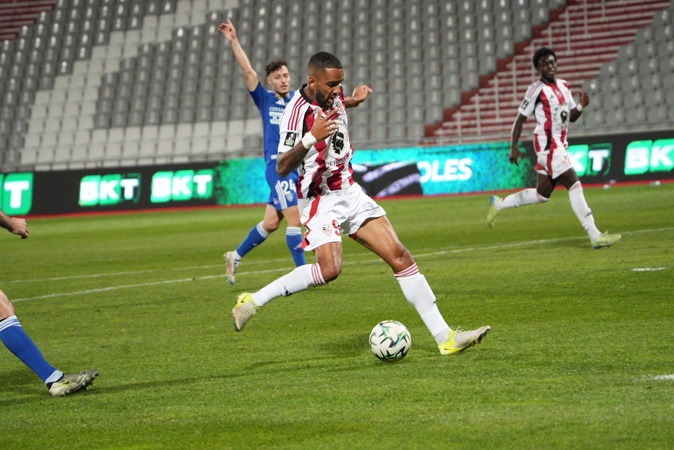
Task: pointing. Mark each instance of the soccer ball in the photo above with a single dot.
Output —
(390, 341)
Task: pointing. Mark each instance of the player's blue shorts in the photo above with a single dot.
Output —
(283, 193)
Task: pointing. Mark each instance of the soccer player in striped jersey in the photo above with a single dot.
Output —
(315, 139)
(283, 196)
(18, 342)
(551, 102)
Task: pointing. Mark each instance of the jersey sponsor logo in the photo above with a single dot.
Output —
(290, 139)
(562, 115)
(337, 143)
(275, 117)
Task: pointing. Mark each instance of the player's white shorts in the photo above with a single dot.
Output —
(553, 164)
(326, 217)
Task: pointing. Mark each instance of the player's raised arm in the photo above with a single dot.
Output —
(228, 30)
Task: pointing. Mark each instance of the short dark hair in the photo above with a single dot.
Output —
(322, 61)
(273, 66)
(541, 52)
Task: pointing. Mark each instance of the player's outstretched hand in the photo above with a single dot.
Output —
(361, 92)
(584, 98)
(228, 30)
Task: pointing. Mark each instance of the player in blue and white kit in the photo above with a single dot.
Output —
(283, 197)
(18, 342)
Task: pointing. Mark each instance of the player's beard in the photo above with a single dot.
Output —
(324, 101)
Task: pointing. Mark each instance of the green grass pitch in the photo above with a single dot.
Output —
(581, 352)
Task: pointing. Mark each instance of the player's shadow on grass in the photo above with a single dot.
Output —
(24, 385)
(344, 349)
(350, 347)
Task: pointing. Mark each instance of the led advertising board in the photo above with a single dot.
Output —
(387, 172)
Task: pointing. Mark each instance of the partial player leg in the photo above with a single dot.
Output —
(18, 342)
(300, 279)
(522, 198)
(584, 215)
(294, 235)
(419, 294)
(256, 236)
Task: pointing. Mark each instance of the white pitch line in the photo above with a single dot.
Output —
(664, 377)
(137, 285)
(281, 269)
(154, 283)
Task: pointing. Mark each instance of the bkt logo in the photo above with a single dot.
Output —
(591, 160)
(16, 196)
(109, 189)
(167, 186)
(649, 156)
(182, 185)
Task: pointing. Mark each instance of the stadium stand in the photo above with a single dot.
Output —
(98, 83)
(585, 36)
(15, 14)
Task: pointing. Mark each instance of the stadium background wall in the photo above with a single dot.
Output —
(388, 172)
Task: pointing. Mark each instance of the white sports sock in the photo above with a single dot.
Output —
(293, 231)
(583, 211)
(260, 229)
(54, 377)
(522, 198)
(303, 277)
(419, 294)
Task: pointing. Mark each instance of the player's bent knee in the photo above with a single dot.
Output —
(402, 261)
(330, 273)
(270, 227)
(6, 307)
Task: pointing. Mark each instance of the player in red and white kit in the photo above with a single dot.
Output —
(315, 140)
(551, 102)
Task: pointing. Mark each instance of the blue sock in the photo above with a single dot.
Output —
(255, 237)
(294, 241)
(19, 343)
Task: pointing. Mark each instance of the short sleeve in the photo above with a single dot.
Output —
(293, 126)
(259, 96)
(527, 106)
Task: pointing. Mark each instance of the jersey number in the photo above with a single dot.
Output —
(287, 187)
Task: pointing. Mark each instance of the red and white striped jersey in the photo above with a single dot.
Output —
(551, 103)
(327, 165)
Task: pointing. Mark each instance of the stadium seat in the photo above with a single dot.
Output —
(89, 56)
